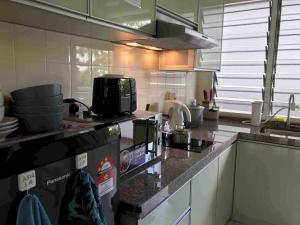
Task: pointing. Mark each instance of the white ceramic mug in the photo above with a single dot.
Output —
(256, 113)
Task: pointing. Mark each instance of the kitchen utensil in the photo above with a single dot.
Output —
(210, 95)
(205, 94)
(4, 134)
(114, 96)
(211, 114)
(182, 136)
(41, 123)
(38, 109)
(166, 138)
(196, 115)
(178, 112)
(34, 92)
(47, 101)
(256, 113)
(147, 131)
(7, 121)
(9, 127)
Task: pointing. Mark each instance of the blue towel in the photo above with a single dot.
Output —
(85, 207)
(31, 212)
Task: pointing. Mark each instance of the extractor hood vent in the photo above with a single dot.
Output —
(174, 33)
(173, 36)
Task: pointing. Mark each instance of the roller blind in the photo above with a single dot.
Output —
(242, 74)
(287, 74)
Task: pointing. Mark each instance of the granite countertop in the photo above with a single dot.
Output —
(143, 192)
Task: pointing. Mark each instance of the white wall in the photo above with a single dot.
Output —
(30, 56)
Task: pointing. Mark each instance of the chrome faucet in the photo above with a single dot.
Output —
(292, 106)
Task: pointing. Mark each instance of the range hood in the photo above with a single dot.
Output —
(174, 33)
(171, 36)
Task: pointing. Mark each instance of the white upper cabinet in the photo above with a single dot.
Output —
(210, 23)
(187, 9)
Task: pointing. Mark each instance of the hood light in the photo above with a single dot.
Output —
(134, 44)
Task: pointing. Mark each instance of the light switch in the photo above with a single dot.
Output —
(26, 180)
(81, 161)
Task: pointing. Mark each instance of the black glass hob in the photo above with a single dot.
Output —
(196, 145)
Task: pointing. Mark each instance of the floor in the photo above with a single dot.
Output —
(234, 223)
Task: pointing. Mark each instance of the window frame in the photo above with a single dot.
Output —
(271, 59)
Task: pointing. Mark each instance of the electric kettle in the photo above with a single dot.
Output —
(180, 114)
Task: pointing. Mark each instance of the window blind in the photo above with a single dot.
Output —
(287, 73)
(242, 74)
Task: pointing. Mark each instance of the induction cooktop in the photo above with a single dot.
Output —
(197, 145)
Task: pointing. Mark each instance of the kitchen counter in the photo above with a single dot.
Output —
(143, 192)
(73, 126)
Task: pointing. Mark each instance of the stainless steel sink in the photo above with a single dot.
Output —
(293, 130)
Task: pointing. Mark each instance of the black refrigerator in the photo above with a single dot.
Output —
(53, 159)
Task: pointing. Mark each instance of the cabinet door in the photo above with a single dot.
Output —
(211, 14)
(136, 14)
(204, 195)
(80, 6)
(225, 185)
(187, 9)
(267, 184)
(186, 220)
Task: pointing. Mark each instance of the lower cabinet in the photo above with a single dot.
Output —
(204, 195)
(205, 200)
(171, 210)
(186, 220)
(225, 185)
(212, 191)
(267, 189)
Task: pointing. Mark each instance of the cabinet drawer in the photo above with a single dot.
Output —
(171, 209)
(136, 14)
(80, 6)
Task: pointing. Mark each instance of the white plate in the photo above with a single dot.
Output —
(15, 125)
(7, 121)
(4, 134)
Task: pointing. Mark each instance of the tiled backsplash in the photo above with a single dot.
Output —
(31, 56)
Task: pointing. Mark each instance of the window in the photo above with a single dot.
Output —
(287, 76)
(242, 74)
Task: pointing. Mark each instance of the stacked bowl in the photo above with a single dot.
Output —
(39, 108)
(7, 124)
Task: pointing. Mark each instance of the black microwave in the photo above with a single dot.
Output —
(114, 96)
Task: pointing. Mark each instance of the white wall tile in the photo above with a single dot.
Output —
(30, 43)
(100, 57)
(30, 56)
(6, 41)
(8, 80)
(81, 51)
(81, 79)
(98, 71)
(30, 73)
(85, 97)
(61, 74)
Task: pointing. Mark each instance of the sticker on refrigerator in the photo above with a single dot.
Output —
(105, 179)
